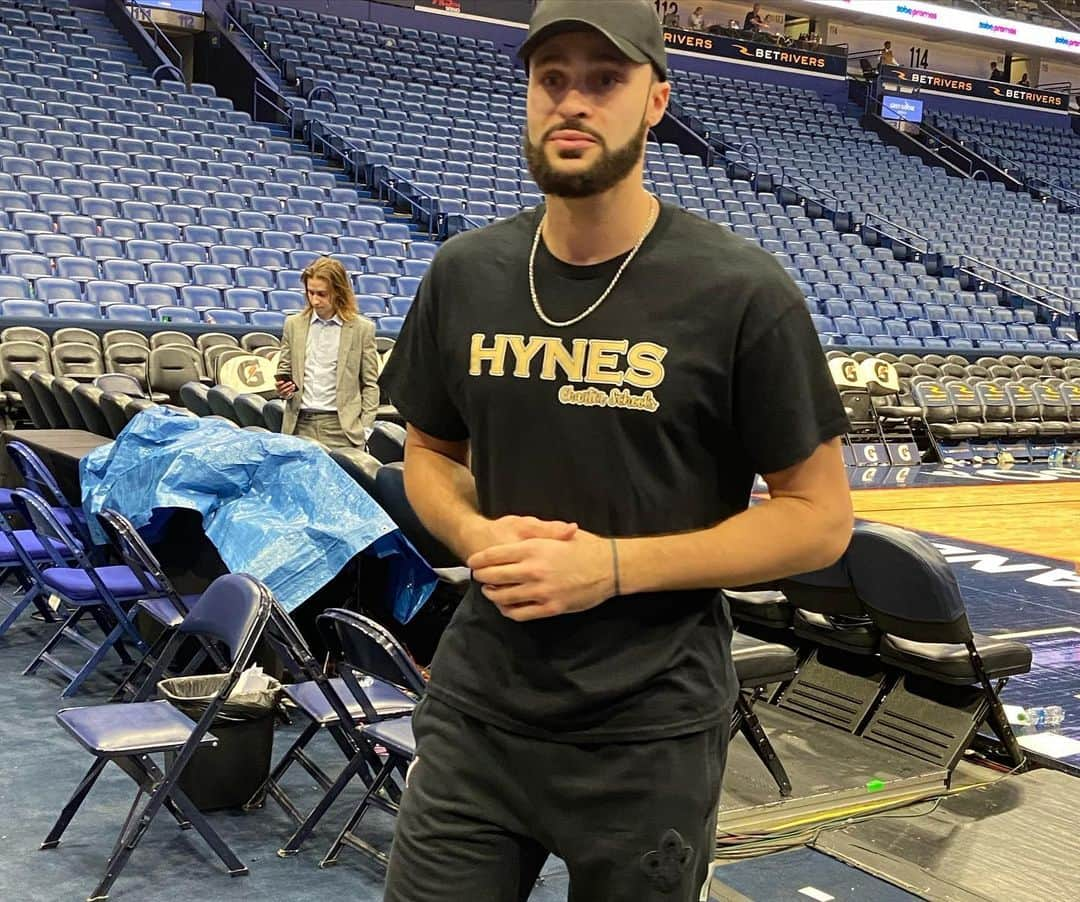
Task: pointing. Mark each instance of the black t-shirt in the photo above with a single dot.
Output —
(651, 416)
(750, 22)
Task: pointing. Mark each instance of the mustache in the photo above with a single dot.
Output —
(571, 125)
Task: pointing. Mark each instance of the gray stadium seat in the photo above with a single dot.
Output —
(221, 401)
(250, 410)
(88, 400)
(63, 388)
(41, 387)
(193, 397)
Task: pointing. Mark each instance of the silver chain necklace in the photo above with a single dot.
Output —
(653, 216)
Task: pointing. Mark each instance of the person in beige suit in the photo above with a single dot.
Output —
(328, 370)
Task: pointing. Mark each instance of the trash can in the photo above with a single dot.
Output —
(228, 774)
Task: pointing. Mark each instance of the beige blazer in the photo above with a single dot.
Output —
(357, 374)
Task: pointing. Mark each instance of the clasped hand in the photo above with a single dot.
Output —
(531, 569)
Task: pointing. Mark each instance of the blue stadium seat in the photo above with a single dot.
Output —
(176, 315)
(52, 289)
(285, 301)
(244, 299)
(407, 286)
(371, 306)
(29, 266)
(144, 251)
(389, 326)
(223, 317)
(187, 252)
(199, 296)
(383, 266)
(76, 310)
(161, 232)
(127, 313)
(153, 295)
(267, 259)
(24, 308)
(399, 306)
(255, 277)
(228, 256)
(267, 319)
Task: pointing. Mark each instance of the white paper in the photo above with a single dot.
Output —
(1053, 745)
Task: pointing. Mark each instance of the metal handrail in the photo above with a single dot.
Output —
(1039, 289)
(147, 16)
(1028, 181)
(895, 225)
(789, 175)
(757, 152)
(273, 97)
(943, 137)
(1057, 12)
(312, 94)
(235, 25)
(1055, 190)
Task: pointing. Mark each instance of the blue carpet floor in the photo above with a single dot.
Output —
(40, 766)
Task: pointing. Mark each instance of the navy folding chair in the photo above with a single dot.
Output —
(331, 704)
(233, 611)
(40, 480)
(168, 609)
(104, 594)
(19, 550)
(369, 660)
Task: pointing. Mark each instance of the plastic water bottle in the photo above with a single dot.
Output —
(1041, 716)
(1056, 457)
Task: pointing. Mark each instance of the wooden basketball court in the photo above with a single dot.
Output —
(1041, 519)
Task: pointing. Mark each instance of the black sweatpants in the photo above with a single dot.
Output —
(634, 822)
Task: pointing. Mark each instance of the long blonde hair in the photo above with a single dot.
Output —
(341, 289)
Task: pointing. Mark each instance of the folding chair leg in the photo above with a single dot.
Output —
(96, 658)
(152, 782)
(127, 688)
(45, 653)
(183, 807)
(31, 597)
(750, 727)
(73, 804)
(332, 853)
(999, 722)
(271, 785)
(355, 765)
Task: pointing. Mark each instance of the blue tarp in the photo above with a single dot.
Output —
(274, 506)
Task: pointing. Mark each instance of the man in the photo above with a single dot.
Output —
(1024, 82)
(328, 371)
(887, 58)
(697, 19)
(755, 21)
(996, 74)
(590, 388)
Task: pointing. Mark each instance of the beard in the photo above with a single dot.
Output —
(612, 167)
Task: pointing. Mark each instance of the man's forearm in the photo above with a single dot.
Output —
(778, 538)
(369, 406)
(443, 494)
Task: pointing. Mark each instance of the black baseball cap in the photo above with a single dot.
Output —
(631, 25)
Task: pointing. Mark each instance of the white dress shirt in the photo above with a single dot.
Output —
(320, 364)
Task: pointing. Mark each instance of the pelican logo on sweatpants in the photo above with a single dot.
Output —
(608, 368)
